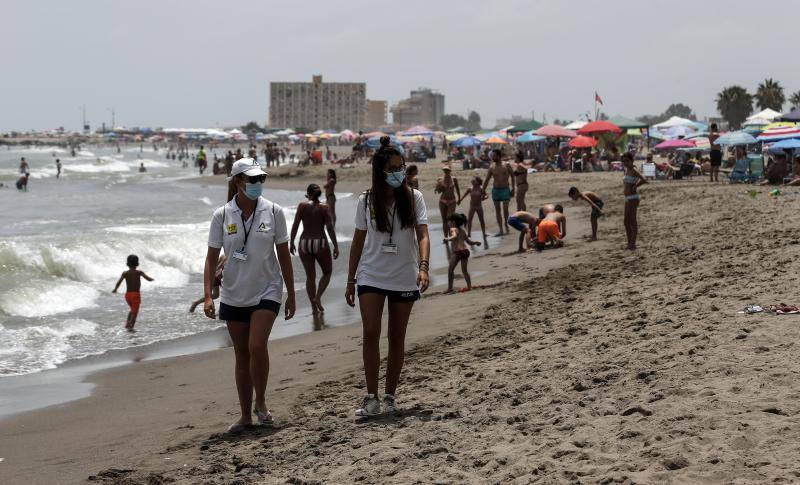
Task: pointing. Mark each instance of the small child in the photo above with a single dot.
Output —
(476, 198)
(133, 281)
(459, 238)
(594, 201)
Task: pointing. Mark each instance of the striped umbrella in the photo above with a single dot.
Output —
(780, 133)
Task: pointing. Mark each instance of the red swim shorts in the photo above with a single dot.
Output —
(134, 299)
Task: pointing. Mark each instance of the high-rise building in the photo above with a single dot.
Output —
(317, 105)
(424, 107)
(376, 113)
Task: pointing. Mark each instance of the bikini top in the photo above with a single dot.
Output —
(630, 179)
(521, 171)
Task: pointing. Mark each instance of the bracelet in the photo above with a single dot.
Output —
(351, 281)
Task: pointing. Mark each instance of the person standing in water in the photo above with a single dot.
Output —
(330, 194)
(133, 283)
(631, 182)
(23, 166)
(460, 253)
(476, 196)
(252, 230)
(520, 180)
(314, 249)
(501, 176)
(58, 168)
(388, 261)
(447, 186)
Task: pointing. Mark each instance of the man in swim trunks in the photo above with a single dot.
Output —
(502, 191)
(526, 224)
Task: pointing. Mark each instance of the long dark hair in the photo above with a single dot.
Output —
(232, 190)
(403, 198)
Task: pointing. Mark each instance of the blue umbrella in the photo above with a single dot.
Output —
(467, 141)
(790, 144)
(375, 142)
(529, 137)
(736, 138)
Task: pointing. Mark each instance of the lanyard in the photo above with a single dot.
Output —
(245, 229)
(391, 224)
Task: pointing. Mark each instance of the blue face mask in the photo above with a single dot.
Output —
(395, 179)
(253, 191)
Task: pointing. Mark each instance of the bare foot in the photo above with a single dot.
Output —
(592, 239)
(319, 306)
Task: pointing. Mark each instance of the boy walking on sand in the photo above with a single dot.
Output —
(133, 281)
(594, 201)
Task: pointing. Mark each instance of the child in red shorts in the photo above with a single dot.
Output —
(133, 282)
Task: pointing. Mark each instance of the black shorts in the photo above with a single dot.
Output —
(392, 296)
(242, 313)
(596, 213)
(716, 158)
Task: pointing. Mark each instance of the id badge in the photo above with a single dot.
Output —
(240, 255)
(390, 248)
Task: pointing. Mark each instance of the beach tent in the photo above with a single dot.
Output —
(576, 125)
(764, 115)
(756, 122)
(525, 126)
(678, 131)
(555, 131)
(674, 121)
(627, 123)
(793, 115)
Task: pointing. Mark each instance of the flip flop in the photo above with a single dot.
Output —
(265, 418)
(238, 427)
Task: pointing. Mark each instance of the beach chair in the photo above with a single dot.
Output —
(649, 170)
(756, 168)
(739, 174)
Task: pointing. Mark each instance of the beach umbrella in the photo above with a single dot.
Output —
(736, 138)
(793, 115)
(576, 125)
(674, 144)
(700, 143)
(373, 134)
(655, 135)
(556, 131)
(599, 127)
(788, 144)
(529, 137)
(778, 124)
(673, 122)
(677, 131)
(583, 142)
(780, 133)
(454, 136)
(467, 141)
(417, 130)
(496, 140)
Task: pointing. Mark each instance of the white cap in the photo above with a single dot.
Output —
(247, 166)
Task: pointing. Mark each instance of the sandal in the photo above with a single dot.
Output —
(264, 417)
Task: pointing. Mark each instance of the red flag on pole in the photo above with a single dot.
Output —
(597, 98)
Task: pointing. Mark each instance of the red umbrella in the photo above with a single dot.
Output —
(583, 142)
(598, 127)
(672, 144)
(555, 130)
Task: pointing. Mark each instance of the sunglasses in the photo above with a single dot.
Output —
(256, 179)
(395, 169)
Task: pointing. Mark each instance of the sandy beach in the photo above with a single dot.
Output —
(586, 364)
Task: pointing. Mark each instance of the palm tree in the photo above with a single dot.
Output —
(794, 100)
(735, 104)
(770, 95)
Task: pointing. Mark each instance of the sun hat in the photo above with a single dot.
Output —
(246, 166)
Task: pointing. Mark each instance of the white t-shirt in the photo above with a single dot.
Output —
(246, 283)
(394, 272)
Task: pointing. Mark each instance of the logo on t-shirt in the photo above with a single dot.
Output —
(231, 229)
(262, 227)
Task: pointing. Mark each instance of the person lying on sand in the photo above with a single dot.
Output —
(526, 224)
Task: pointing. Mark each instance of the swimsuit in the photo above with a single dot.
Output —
(133, 299)
(312, 246)
(517, 223)
(631, 179)
(501, 194)
(596, 213)
(548, 230)
(461, 254)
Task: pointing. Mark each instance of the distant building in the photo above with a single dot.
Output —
(424, 107)
(317, 105)
(376, 113)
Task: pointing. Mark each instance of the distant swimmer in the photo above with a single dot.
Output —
(133, 282)
(22, 182)
(141, 168)
(501, 175)
(594, 201)
(215, 285)
(23, 166)
(58, 168)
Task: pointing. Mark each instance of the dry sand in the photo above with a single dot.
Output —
(587, 364)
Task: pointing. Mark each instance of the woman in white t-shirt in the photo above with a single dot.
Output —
(388, 261)
(251, 229)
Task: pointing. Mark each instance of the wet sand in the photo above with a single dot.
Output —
(585, 364)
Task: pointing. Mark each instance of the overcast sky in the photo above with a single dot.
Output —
(203, 63)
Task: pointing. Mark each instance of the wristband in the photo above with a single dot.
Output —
(351, 281)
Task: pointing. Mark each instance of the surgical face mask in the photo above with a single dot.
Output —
(395, 179)
(253, 191)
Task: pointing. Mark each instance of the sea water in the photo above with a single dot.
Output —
(64, 242)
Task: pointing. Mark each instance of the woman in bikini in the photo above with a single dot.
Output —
(520, 180)
(447, 186)
(476, 197)
(632, 180)
(330, 195)
(314, 249)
